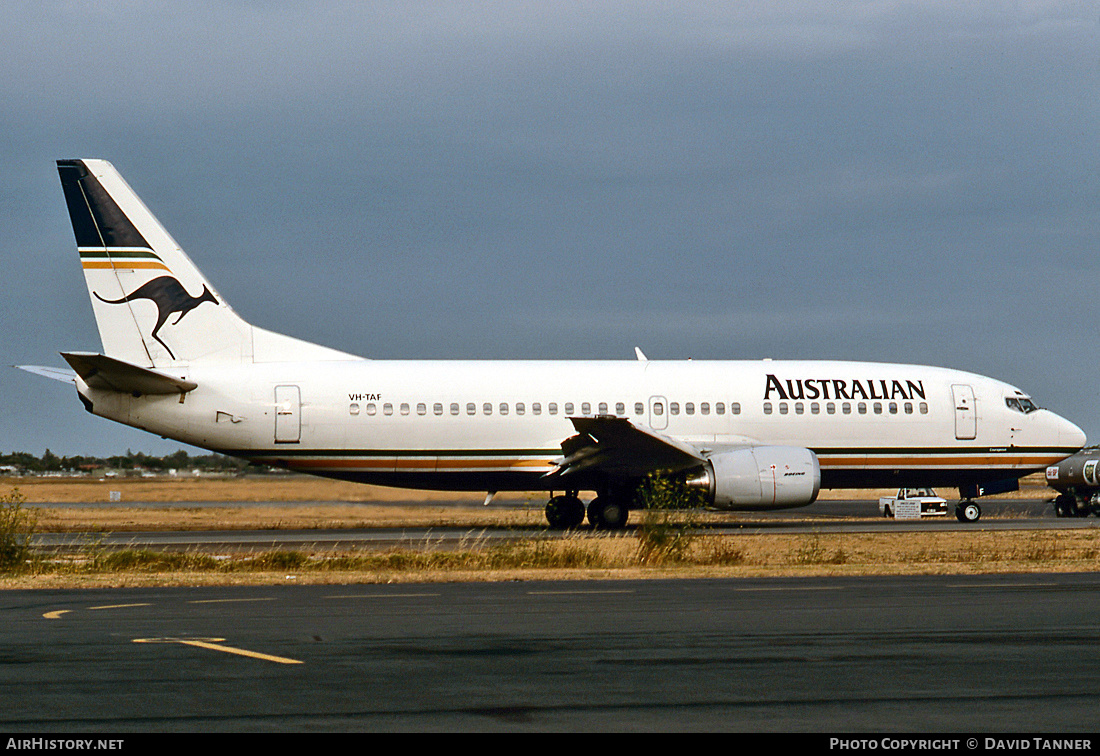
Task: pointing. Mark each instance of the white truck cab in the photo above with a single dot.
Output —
(913, 503)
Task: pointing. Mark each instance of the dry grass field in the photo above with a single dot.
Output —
(274, 502)
(256, 502)
(302, 502)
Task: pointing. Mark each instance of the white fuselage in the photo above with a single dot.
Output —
(498, 425)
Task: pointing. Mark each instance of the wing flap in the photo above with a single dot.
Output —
(618, 447)
(102, 372)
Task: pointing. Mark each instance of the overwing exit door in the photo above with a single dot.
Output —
(658, 413)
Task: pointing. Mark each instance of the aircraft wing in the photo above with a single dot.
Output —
(616, 446)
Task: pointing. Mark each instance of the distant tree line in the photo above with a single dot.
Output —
(181, 460)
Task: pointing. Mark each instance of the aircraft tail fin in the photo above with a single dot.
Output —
(152, 305)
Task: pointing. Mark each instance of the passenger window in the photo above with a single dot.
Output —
(704, 408)
(586, 409)
(372, 408)
(893, 408)
(639, 408)
(552, 408)
(387, 409)
(862, 408)
(878, 408)
(454, 408)
(353, 409)
(767, 408)
(735, 408)
(909, 408)
(471, 409)
(846, 408)
(674, 408)
(620, 409)
(487, 408)
(404, 408)
(923, 408)
(830, 408)
(815, 408)
(536, 408)
(782, 408)
(520, 409)
(602, 409)
(569, 408)
(504, 408)
(798, 408)
(437, 408)
(421, 408)
(689, 408)
(658, 408)
(720, 408)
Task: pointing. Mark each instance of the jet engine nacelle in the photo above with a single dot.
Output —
(761, 477)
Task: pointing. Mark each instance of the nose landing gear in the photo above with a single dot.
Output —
(968, 511)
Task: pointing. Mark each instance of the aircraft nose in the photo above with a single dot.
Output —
(1069, 434)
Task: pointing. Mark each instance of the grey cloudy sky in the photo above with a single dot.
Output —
(889, 181)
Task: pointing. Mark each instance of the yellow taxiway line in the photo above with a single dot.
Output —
(214, 644)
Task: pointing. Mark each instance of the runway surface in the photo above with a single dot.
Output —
(986, 654)
(822, 517)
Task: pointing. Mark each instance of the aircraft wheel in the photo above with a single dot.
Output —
(968, 511)
(564, 512)
(605, 513)
(1064, 505)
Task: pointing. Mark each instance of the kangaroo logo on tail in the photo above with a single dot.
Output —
(170, 297)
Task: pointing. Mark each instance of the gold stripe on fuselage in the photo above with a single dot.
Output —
(855, 461)
(423, 463)
(1009, 460)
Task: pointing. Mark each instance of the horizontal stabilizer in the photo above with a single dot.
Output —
(58, 374)
(102, 372)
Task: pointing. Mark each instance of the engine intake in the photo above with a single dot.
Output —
(760, 477)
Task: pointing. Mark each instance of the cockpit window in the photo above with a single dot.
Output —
(1021, 404)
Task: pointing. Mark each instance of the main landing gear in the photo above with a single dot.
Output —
(605, 512)
(968, 511)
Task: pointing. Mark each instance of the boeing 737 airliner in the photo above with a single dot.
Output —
(179, 362)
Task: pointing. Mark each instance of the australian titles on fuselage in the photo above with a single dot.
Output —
(179, 362)
(836, 388)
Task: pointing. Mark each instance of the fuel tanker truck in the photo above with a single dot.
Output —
(1077, 481)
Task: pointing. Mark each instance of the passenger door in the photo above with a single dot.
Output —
(288, 415)
(966, 419)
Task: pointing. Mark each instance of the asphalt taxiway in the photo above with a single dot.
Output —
(1008, 653)
(840, 516)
